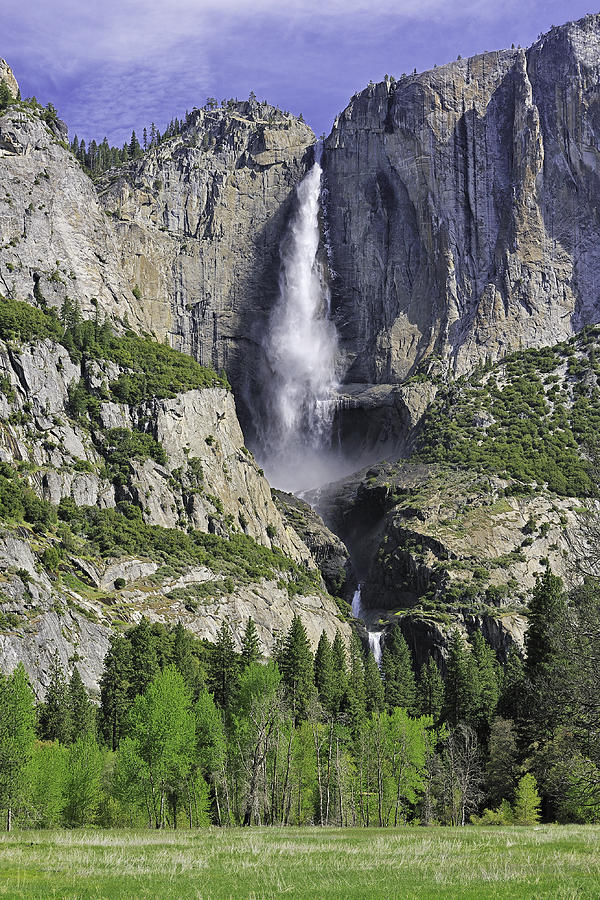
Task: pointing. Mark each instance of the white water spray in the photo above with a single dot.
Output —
(301, 348)
(374, 636)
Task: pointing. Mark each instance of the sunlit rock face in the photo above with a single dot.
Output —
(462, 208)
(199, 220)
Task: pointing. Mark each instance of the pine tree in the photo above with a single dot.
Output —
(250, 646)
(546, 607)
(430, 690)
(462, 689)
(511, 686)
(6, 98)
(296, 666)
(55, 714)
(325, 674)
(340, 672)
(144, 660)
(502, 762)
(82, 714)
(527, 801)
(115, 691)
(135, 151)
(17, 720)
(374, 695)
(397, 672)
(355, 701)
(223, 668)
(183, 658)
(488, 682)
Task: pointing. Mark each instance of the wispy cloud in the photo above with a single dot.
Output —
(120, 65)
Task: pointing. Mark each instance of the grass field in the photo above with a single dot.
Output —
(545, 861)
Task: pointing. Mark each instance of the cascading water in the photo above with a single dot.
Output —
(375, 637)
(300, 348)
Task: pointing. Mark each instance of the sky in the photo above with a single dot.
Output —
(122, 64)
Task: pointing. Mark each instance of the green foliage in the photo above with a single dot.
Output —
(121, 446)
(6, 98)
(250, 646)
(114, 532)
(325, 674)
(17, 718)
(162, 730)
(46, 778)
(83, 782)
(527, 801)
(295, 662)
(20, 321)
(535, 429)
(397, 672)
(19, 503)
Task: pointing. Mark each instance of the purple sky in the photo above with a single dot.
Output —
(121, 64)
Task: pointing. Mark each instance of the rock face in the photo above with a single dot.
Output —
(40, 615)
(199, 220)
(437, 549)
(7, 76)
(57, 241)
(461, 208)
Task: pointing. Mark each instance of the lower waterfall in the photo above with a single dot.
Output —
(375, 637)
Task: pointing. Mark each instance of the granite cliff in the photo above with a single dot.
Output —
(462, 209)
(460, 223)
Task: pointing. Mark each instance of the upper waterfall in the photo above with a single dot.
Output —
(300, 348)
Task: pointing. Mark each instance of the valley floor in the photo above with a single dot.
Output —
(474, 862)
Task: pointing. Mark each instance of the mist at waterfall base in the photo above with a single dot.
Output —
(301, 349)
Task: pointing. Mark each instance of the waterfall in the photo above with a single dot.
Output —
(300, 348)
(375, 637)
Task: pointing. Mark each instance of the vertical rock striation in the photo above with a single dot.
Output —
(462, 209)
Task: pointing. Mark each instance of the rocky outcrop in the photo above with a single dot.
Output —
(56, 239)
(199, 220)
(461, 208)
(7, 76)
(74, 616)
(437, 549)
(210, 480)
(328, 551)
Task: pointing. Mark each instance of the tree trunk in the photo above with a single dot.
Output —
(9, 819)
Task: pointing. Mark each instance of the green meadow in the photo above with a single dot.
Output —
(473, 862)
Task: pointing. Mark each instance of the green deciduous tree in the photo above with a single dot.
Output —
(162, 727)
(17, 721)
(83, 782)
(46, 777)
